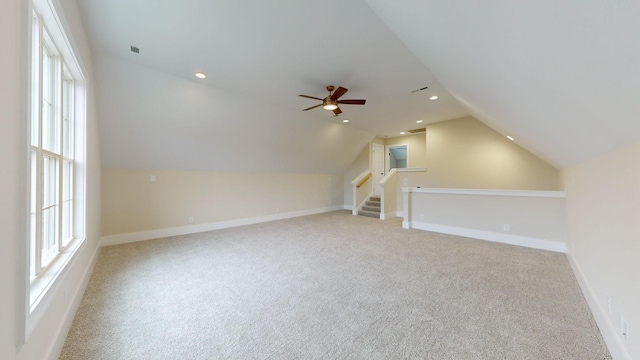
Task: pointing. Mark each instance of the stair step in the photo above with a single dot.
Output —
(369, 214)
(374, 198)
(373, 203)
(372, 208)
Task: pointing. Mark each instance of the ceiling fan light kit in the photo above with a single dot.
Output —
(330, 105)
(331, 102)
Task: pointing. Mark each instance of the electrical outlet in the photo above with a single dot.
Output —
(506, 227)
(152, 178)
(190, 219)
(421, 216)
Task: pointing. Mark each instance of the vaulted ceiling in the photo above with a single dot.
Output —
(560, 77)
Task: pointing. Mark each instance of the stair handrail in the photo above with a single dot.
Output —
(358, 195)
(364, 180)
(387, 177)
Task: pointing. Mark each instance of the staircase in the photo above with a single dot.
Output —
(371, 208)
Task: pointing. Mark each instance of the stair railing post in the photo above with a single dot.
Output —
(406, 221)
(381, 200)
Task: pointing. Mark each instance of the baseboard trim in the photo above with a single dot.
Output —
(511, 239)
(63, 330)
(389, 215)
(191, 229)
(607, 328)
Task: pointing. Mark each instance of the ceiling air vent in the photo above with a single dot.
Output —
(414, 131)
(417, 90)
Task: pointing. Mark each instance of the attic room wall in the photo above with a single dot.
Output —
(132, 202)
(416, 145)
(603, 203)
(465, 153)
(9, 159)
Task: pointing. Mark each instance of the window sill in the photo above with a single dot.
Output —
(43, 287)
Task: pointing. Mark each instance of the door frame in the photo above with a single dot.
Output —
(388, 155)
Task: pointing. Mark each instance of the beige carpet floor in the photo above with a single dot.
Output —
(331, 286)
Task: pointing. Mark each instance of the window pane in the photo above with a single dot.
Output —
(67, 118)
(67, 196)
(67, 213)
(50, 182)
(35, 82)
(32, 210)
(49, 234)
(50, 130)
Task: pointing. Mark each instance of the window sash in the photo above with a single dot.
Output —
(52, 147)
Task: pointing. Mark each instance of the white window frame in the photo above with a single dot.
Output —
(45, 27)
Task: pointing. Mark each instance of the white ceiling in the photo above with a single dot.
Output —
(561, 77)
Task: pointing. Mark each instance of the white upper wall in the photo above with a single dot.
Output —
(559, 76)
(9, 160)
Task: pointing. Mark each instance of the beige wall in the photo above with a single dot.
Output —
(603, 206)
(133, 203)
(417, 149)
(540, 218)
(465, 153)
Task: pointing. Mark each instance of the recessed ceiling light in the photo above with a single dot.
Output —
(345, 121)
(402, 133)
(510, 138)
(434, 97)
(201, 75)
(419, 121)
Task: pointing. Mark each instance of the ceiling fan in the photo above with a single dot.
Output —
(331, 102)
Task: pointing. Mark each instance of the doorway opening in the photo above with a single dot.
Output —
(397, 157)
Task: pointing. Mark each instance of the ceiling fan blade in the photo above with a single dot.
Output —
(311, 97)
(313, 107)
(352, 102)
(339, 92)
(337, 111)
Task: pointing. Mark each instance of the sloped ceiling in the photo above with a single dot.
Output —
(562, 77)
(258, 55)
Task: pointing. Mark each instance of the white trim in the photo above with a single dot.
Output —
(607, 328)
(360, 177)
(348, 207)
(487, 192)
(74, 303)
(412, 169)
(191, 229)
(359, 207)
(387, 158)
(387, 177)
(388, 215)
(45, 286)
(525, 241)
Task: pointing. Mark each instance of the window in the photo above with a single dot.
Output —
(56, 152)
